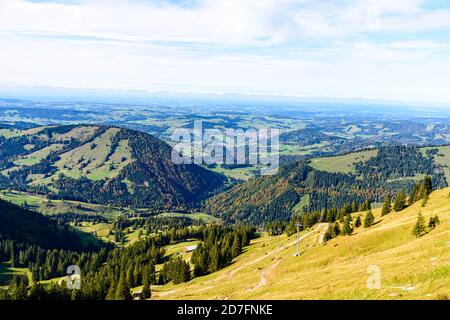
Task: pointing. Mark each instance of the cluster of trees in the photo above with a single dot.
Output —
(392, 162)
(219, 246)
(420, 228)
(110, 273)
(107, 274)
(345, 224)
(332, 216)
(48, 263)
(421, 191)
(176, 270)
(175, 228)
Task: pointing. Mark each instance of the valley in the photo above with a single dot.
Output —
(117, 192)
(199, 156)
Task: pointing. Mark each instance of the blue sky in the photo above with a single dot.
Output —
(372, 49)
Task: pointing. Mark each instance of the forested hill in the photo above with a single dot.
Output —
(29, 227)
(340, 181)
(100, 164)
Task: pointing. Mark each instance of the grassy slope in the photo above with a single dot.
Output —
(7, 273)
(95, 154)
(344, 163)
(411, 268)
(236, 173)
(40, 203)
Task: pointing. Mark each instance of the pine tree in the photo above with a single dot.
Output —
(236, 247)
(386, 206)
(18, 288)
(428, 184)
(414, 195)
(399, 202)
(329, 234)
(369, 219)
(14, 260)
(336, 229)
(123, 291)
(434, 221)
(365, 205)
(330, 216)
(214, 259)
(111, 295)
(354, 206)
(419, 227)
(358, 222)
(146, 290)
(185, 271)
(347, 228)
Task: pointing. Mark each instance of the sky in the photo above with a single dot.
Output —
(370, 49)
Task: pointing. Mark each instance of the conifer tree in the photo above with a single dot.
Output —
(414, 195)
(369, 219)
(14, 261)
(347, 228)
(18, 288)
(419, 227)
(329, 234)
(111, 295)
(336, 229)
(146, 290)
(399, 201)
(123, 290)
(434, 221)
(386, 206)
(365, 205)
(358, 222)
(330, 216)
(354, 206)
(428, 184)
(236, 247)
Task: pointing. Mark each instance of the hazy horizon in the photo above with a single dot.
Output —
(394, 51)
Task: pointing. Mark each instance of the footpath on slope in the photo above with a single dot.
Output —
(264, 274)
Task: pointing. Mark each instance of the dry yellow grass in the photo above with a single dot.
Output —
(411, 268)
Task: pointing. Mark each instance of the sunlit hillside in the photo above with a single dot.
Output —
(411, 268)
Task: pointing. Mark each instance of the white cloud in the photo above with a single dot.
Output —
(226, 22)
(295, 47)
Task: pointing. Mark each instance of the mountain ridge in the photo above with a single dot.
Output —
(102, 164)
